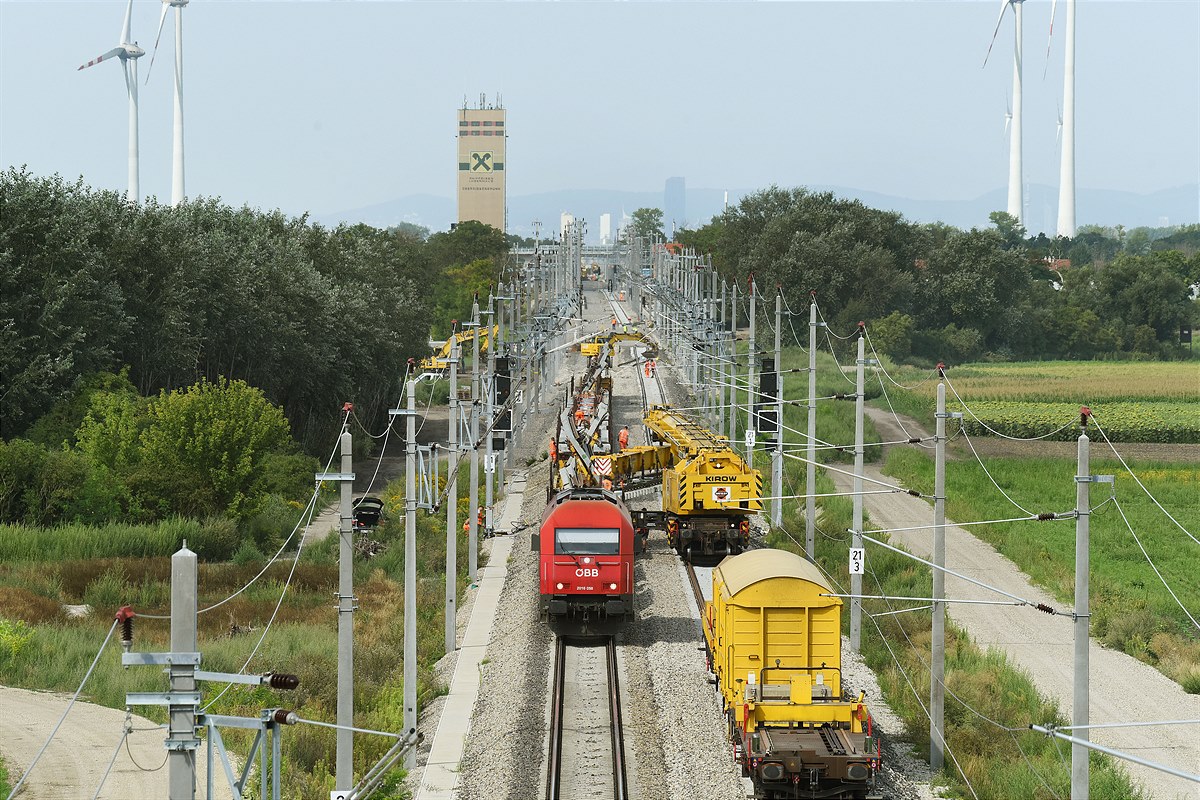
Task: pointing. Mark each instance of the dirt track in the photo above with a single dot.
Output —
(76, 759)
(1123, 689)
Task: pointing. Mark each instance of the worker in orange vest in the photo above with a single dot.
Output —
(623, 437)
(607, 484)
(646, 367)
(553, 450)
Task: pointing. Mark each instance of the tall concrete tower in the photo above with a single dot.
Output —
(481, 168)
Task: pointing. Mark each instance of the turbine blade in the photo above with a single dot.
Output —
(114, 52)
(126, 36)
(999, 20)
(162, 19)
(1050, 38)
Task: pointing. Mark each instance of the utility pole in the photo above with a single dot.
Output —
(181, 736)
(723, 388)
(344, 778)
(452, 503)
(1080, 711)
(777, 457)
(733, 389)
(751, 394)
(856, 576)
(937, 659)
(810, 481)
(410, 573)
(489, 467)
(472, 514)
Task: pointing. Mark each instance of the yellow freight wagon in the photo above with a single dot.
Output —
(775, 644)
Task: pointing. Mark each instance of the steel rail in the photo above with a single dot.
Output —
(554, 756)
(620, 785)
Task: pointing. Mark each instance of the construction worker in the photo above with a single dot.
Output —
(623, 438)
(579, 415)
(614, 323)
(553, 451)
(646, 367)
(480, 518)
(607, 483)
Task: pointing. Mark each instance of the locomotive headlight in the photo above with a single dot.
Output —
(612, 586)
(558, 586)
(587, 560)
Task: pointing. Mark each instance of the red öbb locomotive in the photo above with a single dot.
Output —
(585, 570)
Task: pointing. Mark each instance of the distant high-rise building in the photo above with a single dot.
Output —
(564, 219)
(606, 231)
(674, 205)
(481, 138)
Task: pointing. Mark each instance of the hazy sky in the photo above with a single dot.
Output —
(324, 106)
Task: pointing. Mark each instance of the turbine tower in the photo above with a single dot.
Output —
(1015, 171)
(128, 51)
(1066, 175)
(177, 189)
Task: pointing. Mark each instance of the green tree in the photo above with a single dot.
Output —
(204, 445)
(646, 223)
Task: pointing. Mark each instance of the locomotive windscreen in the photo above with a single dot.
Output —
(587, 541)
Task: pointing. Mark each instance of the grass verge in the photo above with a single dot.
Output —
(41, 648)
(1131, 609)
(996, 762)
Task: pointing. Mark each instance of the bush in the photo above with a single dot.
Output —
(248, 553)
(13, 637)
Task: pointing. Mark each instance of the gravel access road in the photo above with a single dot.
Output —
(1123, 689)
(74, 763)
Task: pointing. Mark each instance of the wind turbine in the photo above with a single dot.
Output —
(177, 191)
(1015, 203)
(129, 53)
(1066, 174)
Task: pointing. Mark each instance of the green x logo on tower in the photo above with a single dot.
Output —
(481, 161)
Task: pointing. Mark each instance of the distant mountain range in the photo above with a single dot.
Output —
(1177, 206)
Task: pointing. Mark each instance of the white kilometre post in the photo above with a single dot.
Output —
(410, 571)
(344, 774)
(937, 657)
(777, 456)
(856, 577)
(452, 503)
(1080, 712)
(810, 481)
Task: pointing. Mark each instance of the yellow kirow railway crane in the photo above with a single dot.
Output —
(708, 490)
(440, 360)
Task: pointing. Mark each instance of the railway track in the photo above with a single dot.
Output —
(586, 757)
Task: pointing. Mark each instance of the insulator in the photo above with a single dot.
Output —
(1044, 607)
(1046, 516)
(285, 717)
(915, 440)
(914, 493)
(282, 680)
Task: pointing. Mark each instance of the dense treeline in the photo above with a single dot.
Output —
(937, 292)
(159, 361)
(313, 317)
